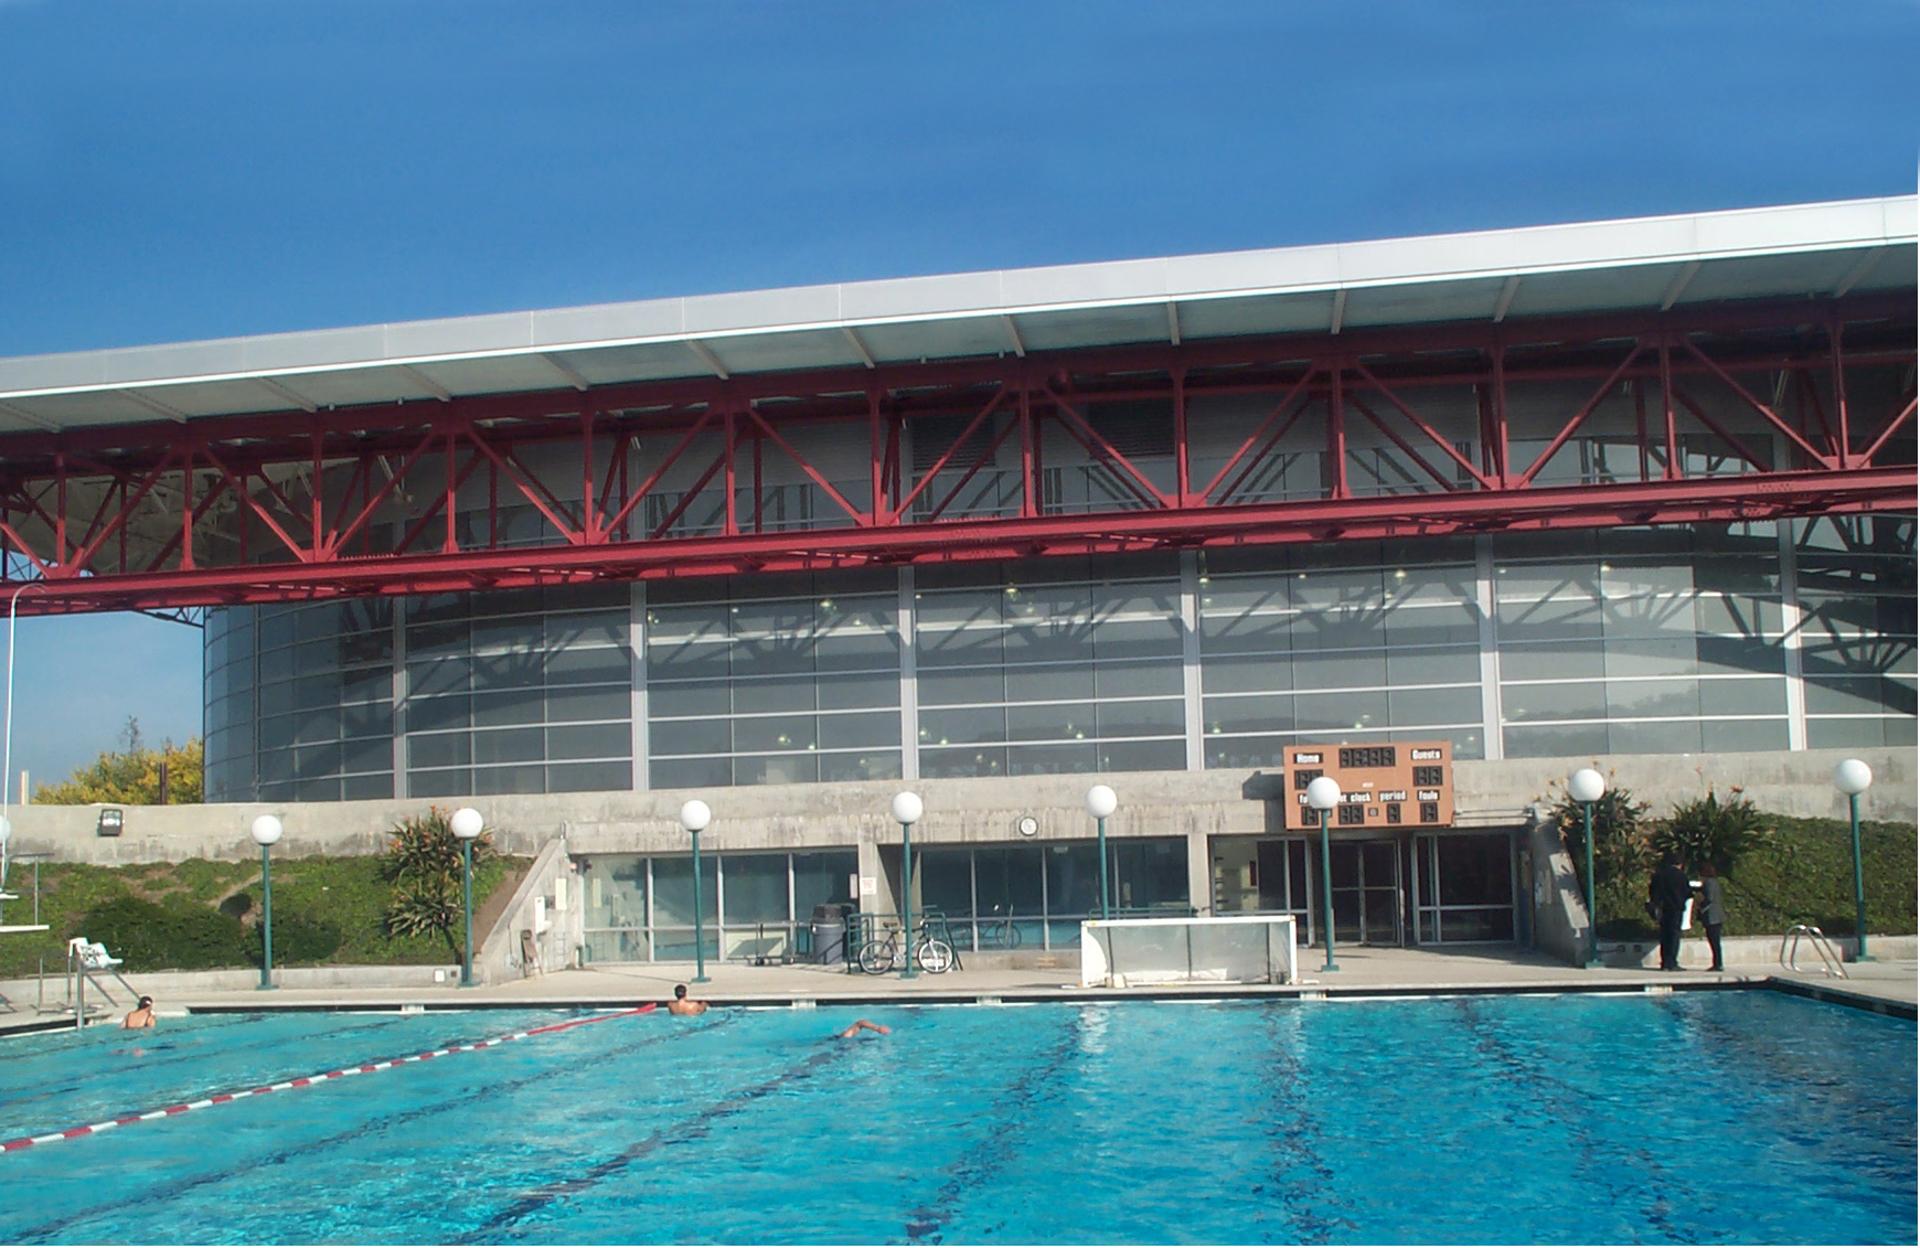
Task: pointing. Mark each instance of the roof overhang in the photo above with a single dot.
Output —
(1810, 251)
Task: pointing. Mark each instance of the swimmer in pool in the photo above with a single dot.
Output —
(140, 1017)
(863, 1025)
(683, 1006)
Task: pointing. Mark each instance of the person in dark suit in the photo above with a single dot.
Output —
(1713, 910)
(1667, 893)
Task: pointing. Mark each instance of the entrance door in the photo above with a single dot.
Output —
(1366, 893)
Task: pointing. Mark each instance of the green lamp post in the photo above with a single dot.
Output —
(266, 832)
(1323, 794)
(1853, 777)
(907, 809)
(466, 824)
(1101, 803)
(1588, 786)
(694, 817)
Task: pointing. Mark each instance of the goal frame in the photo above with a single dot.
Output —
(1098, 968)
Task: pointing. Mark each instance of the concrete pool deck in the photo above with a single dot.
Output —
(1889, 987)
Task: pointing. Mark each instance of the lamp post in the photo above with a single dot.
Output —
(466, 824)
(1852, 778)
(1323, 794)
(1101, 802)
(907, 809)
(694, 817)
(266, 832)
(6, 762)
(1588, 786)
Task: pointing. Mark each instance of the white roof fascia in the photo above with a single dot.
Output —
(1532, 250)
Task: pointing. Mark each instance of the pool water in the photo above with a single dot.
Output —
(1698, 1117)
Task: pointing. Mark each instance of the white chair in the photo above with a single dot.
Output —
(92, 956)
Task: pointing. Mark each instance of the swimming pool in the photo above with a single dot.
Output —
(1700, 1117)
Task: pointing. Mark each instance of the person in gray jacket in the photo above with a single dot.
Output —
(1713, 911)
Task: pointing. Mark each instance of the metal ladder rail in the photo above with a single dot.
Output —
(1831, 963)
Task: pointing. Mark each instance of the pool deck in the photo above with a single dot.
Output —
(1887, 987)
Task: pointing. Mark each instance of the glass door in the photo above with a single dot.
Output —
(1366, 893)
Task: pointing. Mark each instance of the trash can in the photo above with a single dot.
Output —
(830, 933)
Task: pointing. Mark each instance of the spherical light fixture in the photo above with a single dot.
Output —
(266, 830)
(1102, 801)
(1323, 793)
(1852, 777)
(907, 807)
(466, 823)
(1586, 785)
(696, 815)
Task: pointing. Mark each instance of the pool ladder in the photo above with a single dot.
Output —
(1831, 963)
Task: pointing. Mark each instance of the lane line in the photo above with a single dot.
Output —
(307, 1081)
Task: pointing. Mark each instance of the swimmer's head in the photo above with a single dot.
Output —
(679, 992)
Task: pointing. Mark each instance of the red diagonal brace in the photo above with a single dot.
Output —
(344, 534)
(1433, 435)
(1586, 409)
(940, 464)
(653, 478)
(1700, 414)
(246, 496)
(519, 483)
(813, 475)
(1259, 432)
(1104, 449)
(1793, 435)
(1401, 442)
(1900, 418)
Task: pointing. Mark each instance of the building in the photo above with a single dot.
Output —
(1624, 490)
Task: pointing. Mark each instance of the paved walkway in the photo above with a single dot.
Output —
(1362, 972)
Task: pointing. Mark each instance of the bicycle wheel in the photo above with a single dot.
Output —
(935, 956)
(1009, 935)
(876, 957)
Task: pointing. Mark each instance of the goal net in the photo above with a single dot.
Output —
(1242, 949)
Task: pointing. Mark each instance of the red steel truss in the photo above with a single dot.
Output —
(277, 506)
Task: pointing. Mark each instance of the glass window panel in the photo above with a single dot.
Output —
(1246, 633)
(1845, 695)
(371, 754)
(964, 648)
(859, 690)
(1555, 740)
(588, 666)
(1551, 661)
(964, 761)
(1073, 880)
(1246, 751)
(516, 778)
(819, 879)
(366, 788)
(776, 769)
(691, 736)
(1533, 703)
(439, 749)
(1476, 925)
(1433, 666)
(438, 676)
(1048, 642)
(451, 783)
(1650, 657)
(1408, 707)
(316, 791)
(310, 727)
(673, 892)
(1339, 671)
(589, 777)
(1070, 721)
(431, 714)
(613, 890)
(1339, 712)
(590, 741)
(1150, 874)
(1049, 760)
(963, 726)
(689, 661)
(314, 761)
(511, 746)
(1632, 699)
(689, 773)
(1824, 734)
(857, 652)
(780, 693)
(677, 945)
(949, 687)
(1048, 684)
(756, 888)
(864, 765)
(1142, 755)
(1475, 870)
(769, 655)
(447, 639)
(852, 731)
(514, 706)
(587, 628)
(586, 703)
(1142, 719)
(778, 732)
(1129, 680)
(1678, 737)
(1743, 697)
(1246, 673)
(1137, 639)
(668, 700)
(945, 877)
(1007, 881)
(1732, 735)
(507, 671)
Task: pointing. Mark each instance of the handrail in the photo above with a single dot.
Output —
(1831, 963)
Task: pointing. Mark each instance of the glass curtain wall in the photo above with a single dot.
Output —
(1062, 666)
(747, 684)
(227, 686)
(639, 908)
(1642, 641)
(324, 700)
(519, 691)
(1350, 642)
(1464, 888)
(1035, 896)
(1856, 593)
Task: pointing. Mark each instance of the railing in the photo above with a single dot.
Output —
(1831, 963)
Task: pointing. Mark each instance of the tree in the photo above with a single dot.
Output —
(130, 776)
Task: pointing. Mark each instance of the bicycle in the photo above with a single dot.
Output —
(998, 932)
(885, 953)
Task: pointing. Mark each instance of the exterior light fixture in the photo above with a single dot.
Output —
(466, 825)
(266, 831)
(1853, 778)
(1588, 786)
(907, 809)
(694, 817)
(1323, 794)
(1101, 803)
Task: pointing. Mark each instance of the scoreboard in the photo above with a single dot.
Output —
(1408, 784)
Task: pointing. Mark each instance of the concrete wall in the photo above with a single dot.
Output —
(1191, 804)
(547, 904)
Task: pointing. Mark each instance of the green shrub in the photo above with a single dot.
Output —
(297, 938)
(425, 864)
(1709, 830)
(423, 905)
(166, 936)
(1621, 850)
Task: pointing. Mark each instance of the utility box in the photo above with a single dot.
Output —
(110, 821)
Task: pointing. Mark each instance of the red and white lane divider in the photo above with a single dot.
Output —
(307, 1081)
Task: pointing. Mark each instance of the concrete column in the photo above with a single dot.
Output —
(880, 901)
(1190, 658)
(1792, 621)
(1200, 873)
(637, 645)
(909, 682)
(1486, 599)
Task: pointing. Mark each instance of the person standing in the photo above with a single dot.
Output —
(1667, 893)
(1713, 910)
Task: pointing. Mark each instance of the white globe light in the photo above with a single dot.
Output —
(696, 815)
(1586, 785)
(266, 830)
(1323, 793)
(907, 807)
(466, 823)
(1852, 777)
(1102, 801)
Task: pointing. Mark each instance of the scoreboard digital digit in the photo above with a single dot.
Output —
(1408, 784)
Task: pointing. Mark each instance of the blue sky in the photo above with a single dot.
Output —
(205, 169)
